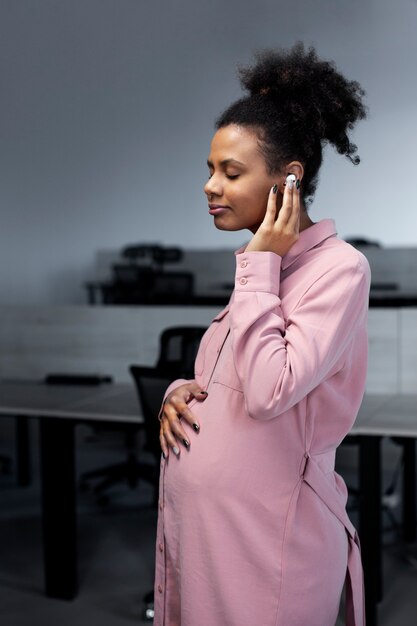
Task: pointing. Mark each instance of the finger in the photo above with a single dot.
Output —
(197, 392)
(181, 410)
(287, 203)
(271, 207)
(201, 395)
(169, 438)
(294, 218)
(172, 417)
(163, 443)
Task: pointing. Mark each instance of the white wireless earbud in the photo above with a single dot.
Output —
(290, 178)
(290, 181)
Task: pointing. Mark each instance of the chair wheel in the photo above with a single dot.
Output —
(148, 612)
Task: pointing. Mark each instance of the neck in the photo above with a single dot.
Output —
(305, 221)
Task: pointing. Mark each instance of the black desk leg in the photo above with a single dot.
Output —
(370, 523)
(22, 451)
(409, 489)
(59, 507)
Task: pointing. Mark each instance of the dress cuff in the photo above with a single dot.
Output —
(258, 271)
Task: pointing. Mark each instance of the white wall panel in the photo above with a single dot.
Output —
(38, 340)
(383, 368)
(35, 341)
(408, 351)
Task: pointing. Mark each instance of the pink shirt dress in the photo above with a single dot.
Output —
(252, 526)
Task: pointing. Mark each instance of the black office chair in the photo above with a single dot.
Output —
(172, 288)
(140, 278)
(144, 285)
(177, 352)
(178, 348)
(151, 384)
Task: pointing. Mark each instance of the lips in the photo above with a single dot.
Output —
(217, 209)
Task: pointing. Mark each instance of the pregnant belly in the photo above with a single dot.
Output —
(233, 456)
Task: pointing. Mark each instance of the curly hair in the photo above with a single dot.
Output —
(297, 104)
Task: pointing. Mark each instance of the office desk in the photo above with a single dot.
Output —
(383, 416)
(59, 409)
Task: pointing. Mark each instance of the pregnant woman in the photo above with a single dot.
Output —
(252, 527)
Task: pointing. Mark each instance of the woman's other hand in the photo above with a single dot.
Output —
(175, 408)
(280, 229)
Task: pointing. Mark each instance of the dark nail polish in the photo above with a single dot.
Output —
(164, 455)
(203, 393)
(186, 443)
(196, 428)
(275, 188)
(298, 184)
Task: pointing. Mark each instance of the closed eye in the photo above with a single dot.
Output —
(229, 176)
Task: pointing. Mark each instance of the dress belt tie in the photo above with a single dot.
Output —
(355, 605)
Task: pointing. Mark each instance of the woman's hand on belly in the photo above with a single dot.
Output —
(175, 408)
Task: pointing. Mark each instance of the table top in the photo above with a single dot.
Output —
(107, 402)
(392, 415)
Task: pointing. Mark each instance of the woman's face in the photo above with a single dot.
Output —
(239, 183)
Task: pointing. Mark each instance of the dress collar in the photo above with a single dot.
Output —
(308, 239)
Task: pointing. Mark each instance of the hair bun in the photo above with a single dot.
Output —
(310, 90)
(277, 73)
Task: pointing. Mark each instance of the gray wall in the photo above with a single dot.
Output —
(107, 109)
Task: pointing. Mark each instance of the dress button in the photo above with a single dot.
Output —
(243, 264)
(161, 547)
(160, 588)
(243, 281)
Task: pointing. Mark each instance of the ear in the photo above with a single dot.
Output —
(294, 167)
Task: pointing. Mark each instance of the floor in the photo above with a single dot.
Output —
(116, 545)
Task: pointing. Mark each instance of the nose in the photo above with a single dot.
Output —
(213, 187)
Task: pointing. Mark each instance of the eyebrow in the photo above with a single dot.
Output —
(226, 162)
